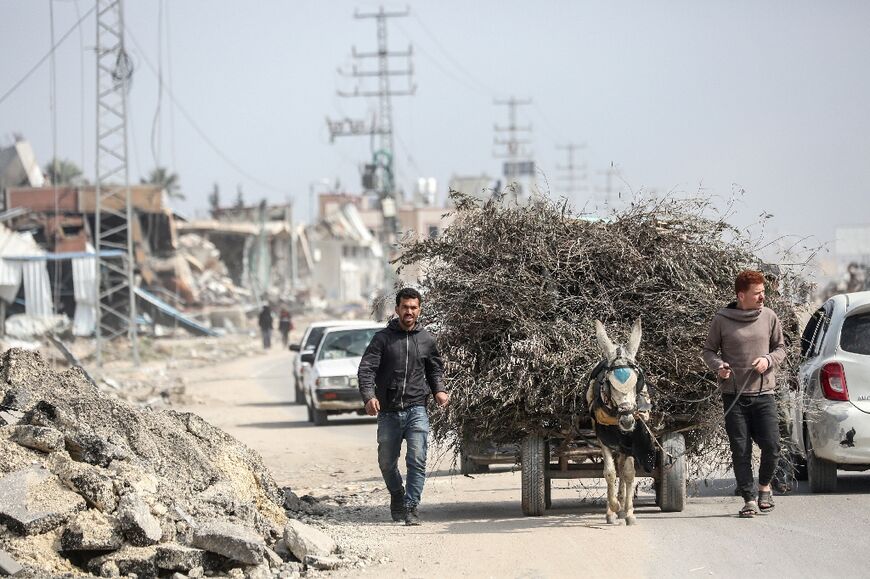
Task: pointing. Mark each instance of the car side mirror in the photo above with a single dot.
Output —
(294, 347)
(307, 358)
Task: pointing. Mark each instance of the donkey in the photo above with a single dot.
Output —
(617, 397)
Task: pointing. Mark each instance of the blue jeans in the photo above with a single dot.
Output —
(411, 425)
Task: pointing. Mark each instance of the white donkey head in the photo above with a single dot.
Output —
(623, 380)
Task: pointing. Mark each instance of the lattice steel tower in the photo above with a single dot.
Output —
(116, 310)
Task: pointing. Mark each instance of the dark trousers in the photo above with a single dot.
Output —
(752, 419)
(267, 337)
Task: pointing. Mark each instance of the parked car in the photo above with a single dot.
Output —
(308, 344)
(831, 422)
(331, 385)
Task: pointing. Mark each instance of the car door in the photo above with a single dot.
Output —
(811, 345)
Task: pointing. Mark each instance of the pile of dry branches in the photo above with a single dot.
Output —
(512, 293)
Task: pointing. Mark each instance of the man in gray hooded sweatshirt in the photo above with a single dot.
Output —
(744, 347)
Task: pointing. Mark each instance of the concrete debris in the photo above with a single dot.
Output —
(38, 438)
(154, 488)
(323, 563)
(92, 531)
(96, 487)
(173, 557)
(8, 565)
(139, 526)
(33, 501)
(304, 540)
(230, 540)
(124, 561)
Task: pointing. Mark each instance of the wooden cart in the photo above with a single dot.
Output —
(544, 459)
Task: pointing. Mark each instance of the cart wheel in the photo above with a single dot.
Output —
(673, 471)
(534, 475)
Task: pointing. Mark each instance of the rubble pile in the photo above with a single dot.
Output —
(210, 278)
(90, 484)
(513, 292)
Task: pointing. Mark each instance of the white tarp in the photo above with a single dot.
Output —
(37, 289)
(85, 289)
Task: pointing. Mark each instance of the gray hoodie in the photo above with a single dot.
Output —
(738, 337)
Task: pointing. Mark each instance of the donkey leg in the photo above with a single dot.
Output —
(610, 477)
(627, 476)
(620, 481)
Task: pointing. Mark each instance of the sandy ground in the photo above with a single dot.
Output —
(473, 527)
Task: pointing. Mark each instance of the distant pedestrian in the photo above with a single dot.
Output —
(285, 324)
(266, 326)
(400, 368)
(744, 347)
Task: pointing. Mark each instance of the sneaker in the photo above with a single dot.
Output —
(397, 505)
(412, 518)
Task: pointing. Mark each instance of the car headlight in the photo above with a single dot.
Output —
(353, 381)
(334, 382)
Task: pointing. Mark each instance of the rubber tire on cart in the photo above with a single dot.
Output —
(821, 474)
(673, 471)
(319, 416)
(533, 457)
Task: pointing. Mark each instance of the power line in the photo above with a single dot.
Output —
(46, 57)
(202, 134)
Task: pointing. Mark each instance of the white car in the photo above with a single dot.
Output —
(831, 428)
(308, 344)
(331, 385)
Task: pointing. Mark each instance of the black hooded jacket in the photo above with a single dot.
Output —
(401, 368)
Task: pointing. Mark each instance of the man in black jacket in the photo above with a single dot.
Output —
(399, 369)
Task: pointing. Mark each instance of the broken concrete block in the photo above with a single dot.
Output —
(126, 560)
(137, 523)
(92, 531)
(232, 541)
(323, 563)
(89, 481)
(38, 437)
(174, 557)
(8, 565)
(304, 540)
(33, 501)
(273, 558)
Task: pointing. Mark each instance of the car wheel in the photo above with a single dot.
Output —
(821, 474)
(319, 417)
(300, 395)
(310, 413)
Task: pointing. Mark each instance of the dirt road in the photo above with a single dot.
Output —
(474, 527)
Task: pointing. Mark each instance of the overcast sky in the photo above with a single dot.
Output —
(768, 97)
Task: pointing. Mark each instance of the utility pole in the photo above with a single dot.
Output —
(572, 176)
(390, 65)
(518, 159)
(116, 307)
(608, 190)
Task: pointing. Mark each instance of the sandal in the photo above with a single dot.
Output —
(749, 510)
(765, 501)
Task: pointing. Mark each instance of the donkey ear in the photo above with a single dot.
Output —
(604, 340)
(634, 339)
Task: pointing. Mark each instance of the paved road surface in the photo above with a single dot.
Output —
(474, 527)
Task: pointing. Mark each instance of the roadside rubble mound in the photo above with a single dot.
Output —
(91, 484)
(514, 291)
